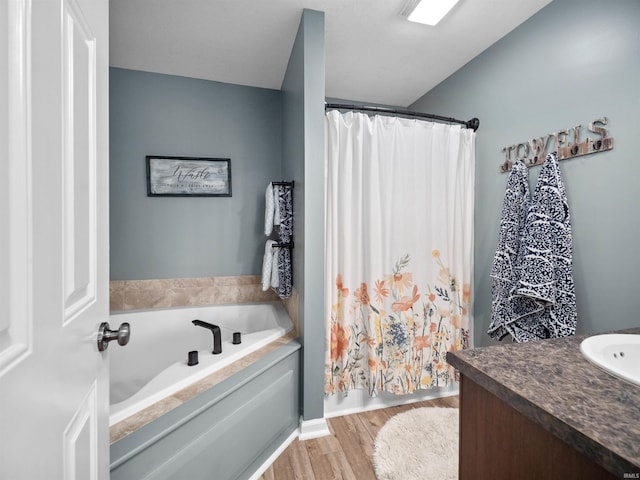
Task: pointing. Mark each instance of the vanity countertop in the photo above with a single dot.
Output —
(551, 383)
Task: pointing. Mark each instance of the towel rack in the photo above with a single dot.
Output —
(289, 244)
(283, 245)
(282, 258)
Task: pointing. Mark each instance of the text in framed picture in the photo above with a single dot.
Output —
(188, 177)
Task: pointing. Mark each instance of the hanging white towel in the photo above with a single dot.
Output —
(277, 216)
(269, 209)
(504, 270)
(268, 262)
(546, 273)
(275, 276)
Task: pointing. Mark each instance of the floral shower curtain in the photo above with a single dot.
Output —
(399, 242)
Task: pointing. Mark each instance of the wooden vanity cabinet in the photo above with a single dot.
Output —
(497, 442)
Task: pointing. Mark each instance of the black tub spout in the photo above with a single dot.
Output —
(217, 336)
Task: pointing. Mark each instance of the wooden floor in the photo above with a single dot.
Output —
(348, 453)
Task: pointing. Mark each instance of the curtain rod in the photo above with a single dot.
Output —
(474, 123)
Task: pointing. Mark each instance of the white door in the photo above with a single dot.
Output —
(53, 239)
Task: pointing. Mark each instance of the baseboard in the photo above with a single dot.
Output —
(315, 428)
(377, 403)
(269, 461)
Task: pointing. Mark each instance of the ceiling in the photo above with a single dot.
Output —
(372, 53)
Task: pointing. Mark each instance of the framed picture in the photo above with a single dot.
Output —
(188, 177)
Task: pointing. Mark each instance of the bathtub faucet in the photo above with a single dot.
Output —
(217, 337)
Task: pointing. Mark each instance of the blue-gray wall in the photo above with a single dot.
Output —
(268, 135)
(164, 237)
(303, 161)
(573, 62)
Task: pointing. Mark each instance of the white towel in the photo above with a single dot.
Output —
(268, 263)
(275, 275)
(269, 209)
(276, 200)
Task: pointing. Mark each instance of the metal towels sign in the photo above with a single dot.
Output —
(568, 143)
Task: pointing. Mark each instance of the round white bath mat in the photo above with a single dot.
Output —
(420, 444)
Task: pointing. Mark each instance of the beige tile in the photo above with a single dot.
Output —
(116, 285)
(238, 280)
(162, 293)
(192, 282)
(155, 298)
(142, 418)
(116, 295)
(153, 284)
(231, 294)
(193, 296)
(206, 383)
(226, 294)
(292, 306)
(254, 293)
(116, 301)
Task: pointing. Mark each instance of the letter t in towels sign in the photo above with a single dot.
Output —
(188, 177)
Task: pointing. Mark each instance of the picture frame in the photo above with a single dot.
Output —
(188, 176)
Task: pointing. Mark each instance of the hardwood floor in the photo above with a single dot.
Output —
(345, 455)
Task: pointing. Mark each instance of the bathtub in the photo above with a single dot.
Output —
(154, 363)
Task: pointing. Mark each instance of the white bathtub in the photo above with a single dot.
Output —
(154, 363)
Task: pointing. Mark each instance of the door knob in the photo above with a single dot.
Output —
(105, 335)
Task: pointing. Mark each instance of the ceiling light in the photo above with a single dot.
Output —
(430, 12)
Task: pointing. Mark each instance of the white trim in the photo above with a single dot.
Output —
(86, 416)
(78, 297)
(315, 428)
(263, 468)
(16, 332)
(359, 401)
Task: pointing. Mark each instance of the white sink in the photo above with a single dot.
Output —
(616, 353)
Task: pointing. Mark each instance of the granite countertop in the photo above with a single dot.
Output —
(551, 383)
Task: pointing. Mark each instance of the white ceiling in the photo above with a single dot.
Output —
(372, 53)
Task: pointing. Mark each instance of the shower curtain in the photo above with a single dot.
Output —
(399, 237)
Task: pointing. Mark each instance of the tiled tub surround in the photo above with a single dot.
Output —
(189, 292)
(180, 292)
(183, 292)
(553, 385)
